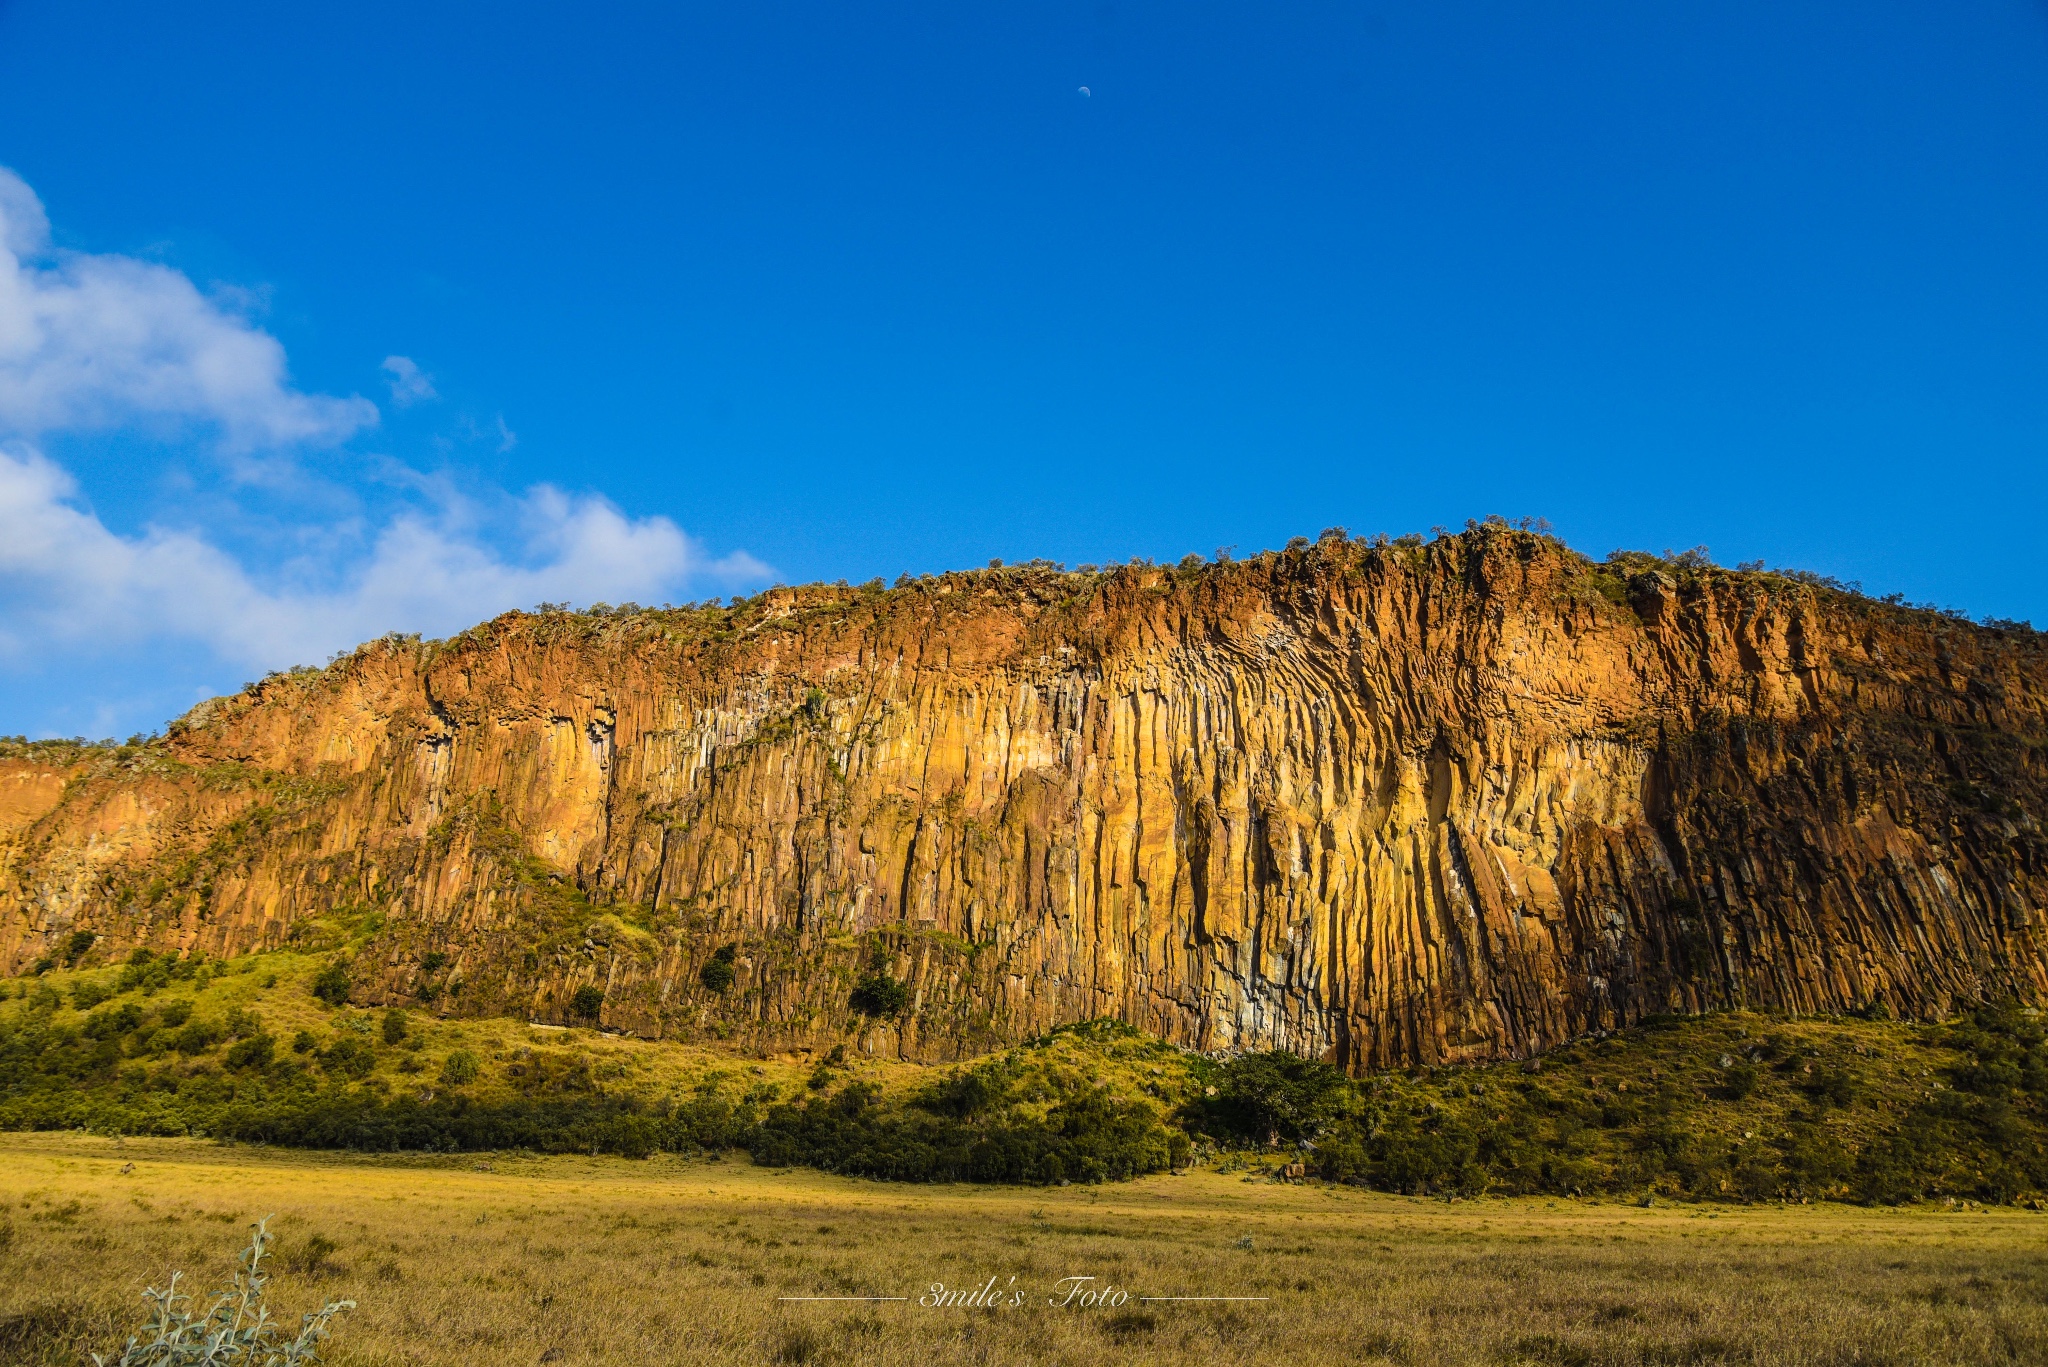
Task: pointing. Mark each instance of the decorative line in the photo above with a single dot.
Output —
(905, 1298)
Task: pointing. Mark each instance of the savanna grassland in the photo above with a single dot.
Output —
(573, 1260)
(490, 1191)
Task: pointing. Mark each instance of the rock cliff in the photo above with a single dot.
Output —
(1378, 803)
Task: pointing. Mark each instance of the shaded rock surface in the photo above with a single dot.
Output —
(1383, 805)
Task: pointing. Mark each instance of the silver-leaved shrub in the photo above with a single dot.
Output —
(236, 1330)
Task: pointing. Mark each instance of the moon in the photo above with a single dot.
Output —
(1086, 93)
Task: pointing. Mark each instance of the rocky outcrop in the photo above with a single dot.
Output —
(1384, 804)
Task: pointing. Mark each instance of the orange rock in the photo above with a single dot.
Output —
(1379, 805)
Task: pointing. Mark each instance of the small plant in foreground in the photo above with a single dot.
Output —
(235, 1331)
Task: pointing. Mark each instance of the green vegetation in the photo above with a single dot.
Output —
(1722, 1106)
(878, 994)
(587, 1001)
(333, 983)
(717, 973)
(1733, 1106)
(1030, 1115)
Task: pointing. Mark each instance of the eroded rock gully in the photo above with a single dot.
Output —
(1382, 805)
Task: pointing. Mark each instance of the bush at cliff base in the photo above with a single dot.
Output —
(1697, 1107)
(1825, 1129)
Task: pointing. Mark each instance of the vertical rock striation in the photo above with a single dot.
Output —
(1383, 805)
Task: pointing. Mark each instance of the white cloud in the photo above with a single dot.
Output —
(72, 583)
(99, 341)
(409, 384)
(110, 343)
(24, 227)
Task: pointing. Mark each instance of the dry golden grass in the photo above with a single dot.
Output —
(568, 1260)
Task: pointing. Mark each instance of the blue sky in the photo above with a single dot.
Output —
(375, 317)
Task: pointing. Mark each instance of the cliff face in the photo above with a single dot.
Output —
(1381, 805)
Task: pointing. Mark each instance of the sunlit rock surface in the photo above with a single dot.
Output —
(1382, 805)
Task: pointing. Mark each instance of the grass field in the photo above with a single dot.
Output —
(605, 1260)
